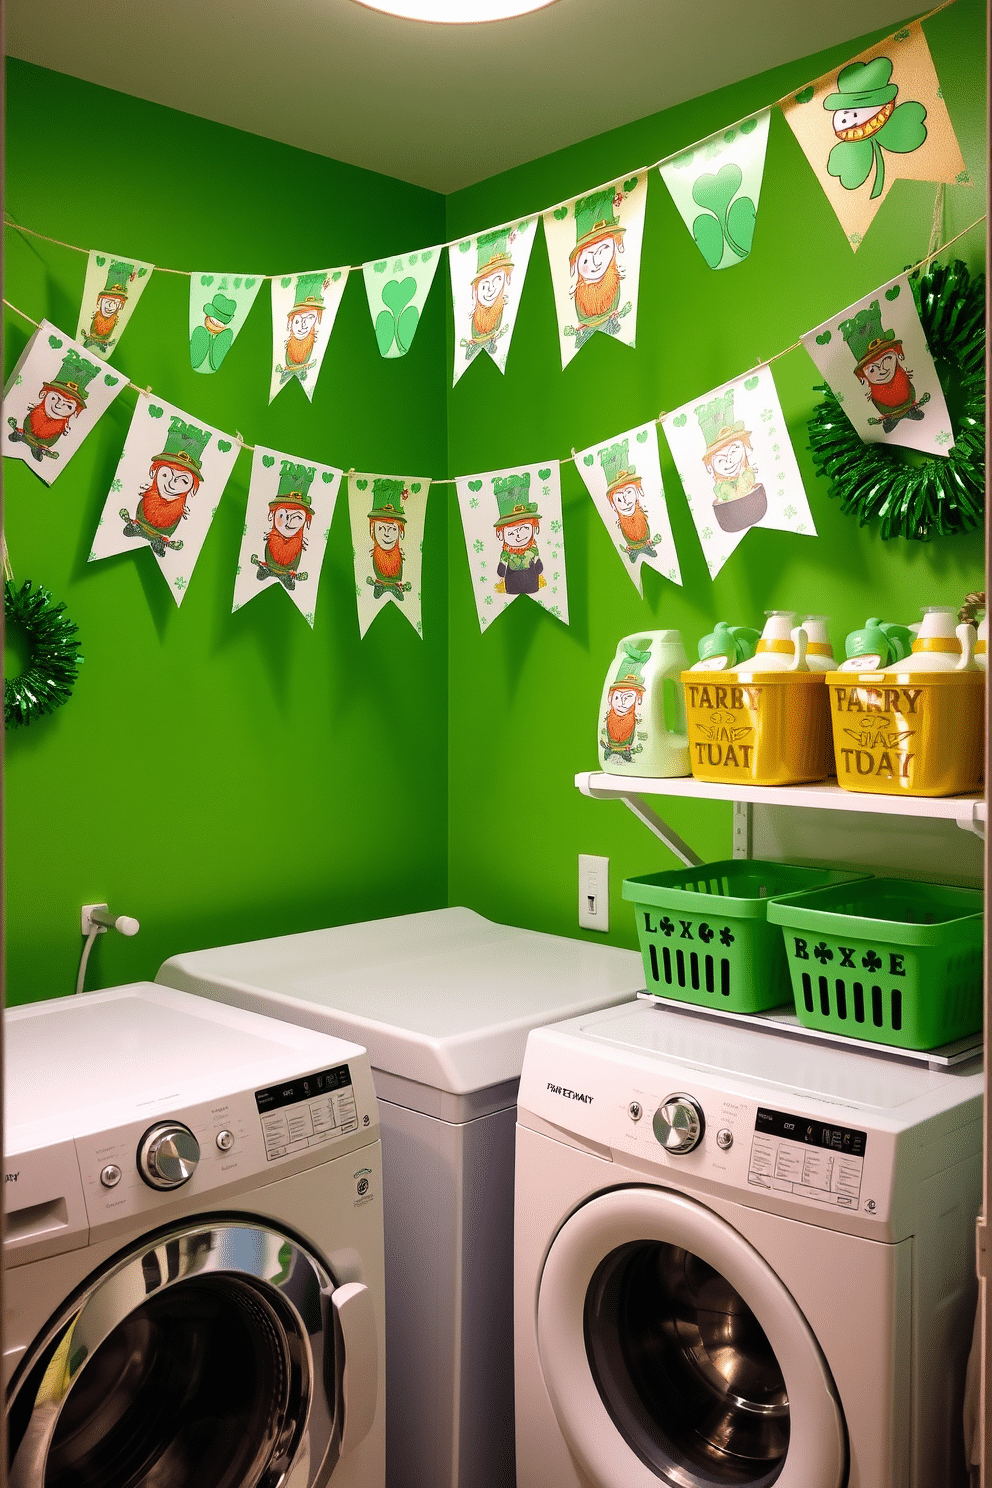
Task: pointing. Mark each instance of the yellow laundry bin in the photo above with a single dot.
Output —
(768, 728)
(908, 733)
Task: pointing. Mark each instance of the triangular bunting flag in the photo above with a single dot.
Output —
(290, 506)
(303, 310)
(218, 308)
(397, 288)
(875, 357)
(594, 246)
(880, 118)
(487, 280)
(53, 397)
(387, 533)
(716, 185)
(111, 292)
(737, 465)
(169, 481)
(623, 477)
(514, 538)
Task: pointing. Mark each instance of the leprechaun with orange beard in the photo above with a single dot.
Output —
(593, 263)
(290, 515)
(489, 288)
(59, 402)
(302, 323)
(110, 303)
(387, 526)
(520, 568)
(880, 367)
(619, 732)
(624, 493)
(174, 474)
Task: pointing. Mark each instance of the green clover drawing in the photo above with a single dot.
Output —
(867, 121)
(732, 221)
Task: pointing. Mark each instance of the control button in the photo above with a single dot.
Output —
(635, 1110)
(725, 1138)
(167, 1155)
(111, 1176)
(225, 1140)
(679, 1123)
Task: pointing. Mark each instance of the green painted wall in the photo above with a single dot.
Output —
(220, 776)
(524, 697)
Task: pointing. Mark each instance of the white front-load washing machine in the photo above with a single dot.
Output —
(443, 1001)
(740, 1259)
(193, 1294)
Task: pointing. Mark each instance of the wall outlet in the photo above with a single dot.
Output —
(86, 921)
(594, 892)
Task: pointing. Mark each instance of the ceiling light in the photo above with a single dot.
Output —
(458, 11)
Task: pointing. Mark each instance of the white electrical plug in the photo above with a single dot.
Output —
(97, 918)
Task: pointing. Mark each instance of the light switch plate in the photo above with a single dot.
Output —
(594, 892)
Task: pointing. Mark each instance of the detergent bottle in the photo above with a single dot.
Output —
(725, 647)
(642, 728)
(819, 647)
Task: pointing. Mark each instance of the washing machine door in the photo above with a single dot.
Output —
(673, 1354)
(213, 1355)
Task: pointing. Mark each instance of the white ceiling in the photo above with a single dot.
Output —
(439, 105)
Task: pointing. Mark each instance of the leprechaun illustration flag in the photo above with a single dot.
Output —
(169, 480)
(487, 279)
(397, 289)
(716, 184)
(304, 307)
(514, 538)
(623, 477)
(218, 308)
(111, 293)
(53, 397)
(290, 506)
(879, 119)
(387, 514)
(594, 248)
(875, 357)
(737, 465)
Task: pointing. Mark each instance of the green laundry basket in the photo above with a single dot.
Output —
(887, 960)
(705, 936)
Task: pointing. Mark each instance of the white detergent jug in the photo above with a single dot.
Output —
(782, 647)
(642, 727)
(940, 645)
(819, 647)
(982, 644)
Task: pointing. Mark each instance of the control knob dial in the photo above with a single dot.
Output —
(168, 1154)
(679, 1123)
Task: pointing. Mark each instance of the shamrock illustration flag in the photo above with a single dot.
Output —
(737, 466)
(111, 292)
(594, 246)
(169, 481)
(387, 533)
(716, 186)
(304, 307)
(487, 279)
(514, 538)
(880, 119)
(53, 397)
(397, 288)
(218, 308)
(623, 477)
(290, 506)
(875, 357)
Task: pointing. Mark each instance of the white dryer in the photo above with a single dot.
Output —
(443, 1001)
(194, 1289)
(740, 1259)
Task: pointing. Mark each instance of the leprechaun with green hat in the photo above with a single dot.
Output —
(618, 735)
(59, 402)
(489, 290)
(302, 321)
(290, 515)
(109, 304)
(879, 365)
(175, 473)
(211, 341)
(520, 568)
(624, 492)
(739, 501)
(387, 526)
(593, 262)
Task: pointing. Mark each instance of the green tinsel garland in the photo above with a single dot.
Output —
(942, 494)
(48, 679)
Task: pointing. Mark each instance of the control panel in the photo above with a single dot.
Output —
(790, 1154)
(306, 1112)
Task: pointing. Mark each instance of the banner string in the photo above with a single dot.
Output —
(569, 459)
(9, 221)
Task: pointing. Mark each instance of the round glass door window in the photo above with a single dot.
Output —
(685, 1368)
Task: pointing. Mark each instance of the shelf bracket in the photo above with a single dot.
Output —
(975, 821)
(662, 830)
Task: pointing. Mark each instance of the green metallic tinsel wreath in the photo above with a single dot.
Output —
(924, 496)
(48, 679)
